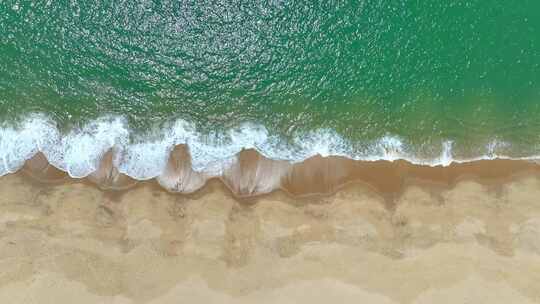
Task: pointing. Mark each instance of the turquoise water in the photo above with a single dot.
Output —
(429, 81)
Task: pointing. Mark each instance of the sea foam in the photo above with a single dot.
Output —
(141, 157)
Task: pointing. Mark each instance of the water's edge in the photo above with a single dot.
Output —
(253, 174)
(248, 159)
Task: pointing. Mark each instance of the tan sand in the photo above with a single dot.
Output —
(461, 242)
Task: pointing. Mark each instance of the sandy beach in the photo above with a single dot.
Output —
(466, 242)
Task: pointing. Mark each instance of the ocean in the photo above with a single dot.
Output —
(431, 83)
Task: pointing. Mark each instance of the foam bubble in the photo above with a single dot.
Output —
(391, 148)
(323, 142)
(79, 152)
(20, 143)
(494, 147)
(446, 156)
(144, 160)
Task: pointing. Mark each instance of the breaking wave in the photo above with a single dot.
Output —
(249, 158)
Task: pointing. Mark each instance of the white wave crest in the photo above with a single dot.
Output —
(79, 151)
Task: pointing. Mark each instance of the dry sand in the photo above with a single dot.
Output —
(464, 243)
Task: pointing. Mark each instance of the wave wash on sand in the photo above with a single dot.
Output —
(247, 159)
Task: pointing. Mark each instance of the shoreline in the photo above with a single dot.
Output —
(179, 145)
(253, 174)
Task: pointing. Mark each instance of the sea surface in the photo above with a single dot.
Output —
(431, 82)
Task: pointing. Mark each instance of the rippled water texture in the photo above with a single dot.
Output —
(426, 75)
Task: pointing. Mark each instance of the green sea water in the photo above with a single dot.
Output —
(424, 72)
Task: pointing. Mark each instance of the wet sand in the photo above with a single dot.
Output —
(472, 236)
